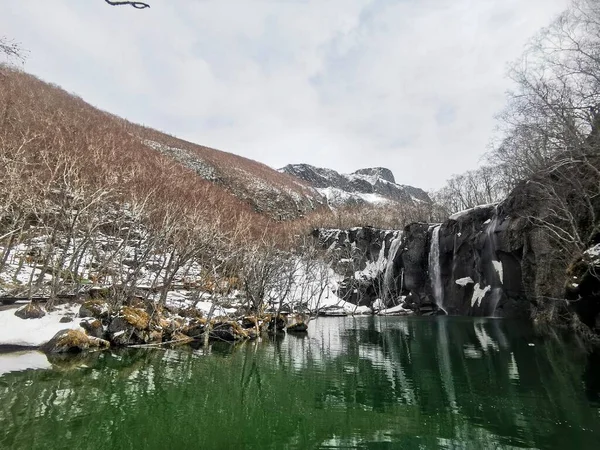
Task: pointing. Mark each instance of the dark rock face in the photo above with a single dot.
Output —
(583, 287)
(381, 172)
(480, 268)
(376, 180)
(133, 326)
(94, 308)
(361, 255)
(360, 245)
(93, 328)
(487, 264)
(492, 262)
(413, 260)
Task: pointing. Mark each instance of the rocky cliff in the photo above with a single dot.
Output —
(487, 261)
(365, 186)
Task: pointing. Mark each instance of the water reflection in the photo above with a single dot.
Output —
(350, 382)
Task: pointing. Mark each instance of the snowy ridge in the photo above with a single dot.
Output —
(374, 186)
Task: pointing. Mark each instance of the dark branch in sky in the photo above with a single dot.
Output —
(11, 49)
(137, 5)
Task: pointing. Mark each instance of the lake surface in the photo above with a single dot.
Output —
(368, 382)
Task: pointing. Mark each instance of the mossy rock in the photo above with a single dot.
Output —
(249, 322)
(136, 317)
(30, 311)
(132, 326)
(97, 293)
(229, 331)
(298, 327)
(97, 309)
(93, 327)
(73, 341)
(191, 312)
(195, 328)
(277, 323)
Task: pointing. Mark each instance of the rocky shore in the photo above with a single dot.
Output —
(95, 325)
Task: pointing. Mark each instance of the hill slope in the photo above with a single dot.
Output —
(47, 124)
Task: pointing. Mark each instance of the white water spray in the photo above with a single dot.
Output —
(435, 273)
(496, 291)
(389, 281)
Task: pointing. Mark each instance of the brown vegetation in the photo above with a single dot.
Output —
(89, 199)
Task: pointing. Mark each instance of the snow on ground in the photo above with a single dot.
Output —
(112, 253)
(35, 332)
(337, 197)
(185, 299)
(395, 311)
(460, 214)
(19, 361)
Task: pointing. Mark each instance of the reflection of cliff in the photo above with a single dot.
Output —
(463, 372)
(415, 381)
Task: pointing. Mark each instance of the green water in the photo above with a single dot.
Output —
(349, 383)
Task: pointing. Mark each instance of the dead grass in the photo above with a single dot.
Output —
(136, 317)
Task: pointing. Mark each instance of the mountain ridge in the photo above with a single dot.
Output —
(374, 185)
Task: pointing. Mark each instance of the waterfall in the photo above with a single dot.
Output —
(435, 273)
(389, 280)
(495, 271)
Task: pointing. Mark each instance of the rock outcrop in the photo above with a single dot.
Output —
(487, 261)
(73, 341)
(481, 262)
(133, 326)
(583, 287)
(95, 308)
(373, 185)
(30, 311)
(361, 256)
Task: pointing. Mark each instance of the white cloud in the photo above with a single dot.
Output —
(410, 85)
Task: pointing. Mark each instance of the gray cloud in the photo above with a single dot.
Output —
(406, 84)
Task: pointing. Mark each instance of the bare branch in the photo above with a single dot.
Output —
(136, 5)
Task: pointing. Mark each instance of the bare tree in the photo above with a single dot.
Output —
(11, 49)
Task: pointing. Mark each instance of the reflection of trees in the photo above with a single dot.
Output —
(410, 381)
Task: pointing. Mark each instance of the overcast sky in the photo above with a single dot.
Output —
(412, 85)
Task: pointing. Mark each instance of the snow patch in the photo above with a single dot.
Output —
(593, 252)
(396, 311)
(338, 197)
(465, 212)
(35, 332)
(464, 281)
(478, 294)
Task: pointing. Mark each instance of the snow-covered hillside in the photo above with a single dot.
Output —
(366, 186)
